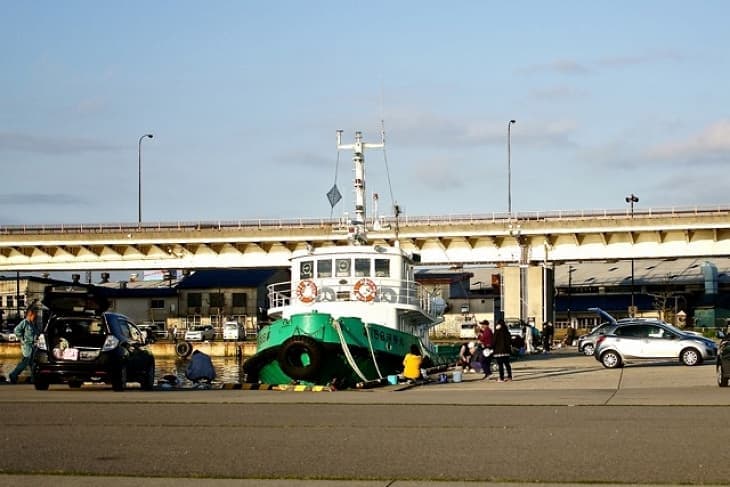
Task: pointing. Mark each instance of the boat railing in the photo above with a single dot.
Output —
(395, 291)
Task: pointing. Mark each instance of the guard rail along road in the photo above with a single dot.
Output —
(495, 238)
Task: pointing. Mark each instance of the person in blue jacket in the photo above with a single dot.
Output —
(26, 332)
(200, 369)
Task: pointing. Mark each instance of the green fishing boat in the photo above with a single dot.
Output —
(350, 313)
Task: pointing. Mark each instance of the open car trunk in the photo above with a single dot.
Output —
(75, 339)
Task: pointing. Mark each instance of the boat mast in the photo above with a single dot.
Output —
(357, 229)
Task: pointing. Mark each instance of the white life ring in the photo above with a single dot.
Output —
(365, 290)
(306, 291)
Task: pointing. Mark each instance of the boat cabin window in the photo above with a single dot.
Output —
(324, 268)
(362, 267)
(343, 267)
(382, 268)
(305, 269)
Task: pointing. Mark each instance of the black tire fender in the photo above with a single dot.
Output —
(183, 349)
(290, 353)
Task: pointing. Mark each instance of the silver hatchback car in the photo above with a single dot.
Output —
(651, 340)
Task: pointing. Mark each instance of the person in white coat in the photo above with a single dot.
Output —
(528, 336)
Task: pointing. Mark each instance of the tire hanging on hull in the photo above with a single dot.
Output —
(300, 357)
(183, 349)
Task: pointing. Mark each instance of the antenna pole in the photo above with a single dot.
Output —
(358, 231)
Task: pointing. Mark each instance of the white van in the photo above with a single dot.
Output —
(232, 330)
(467, 330)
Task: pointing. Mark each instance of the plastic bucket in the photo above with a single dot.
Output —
(456, 376)
(393, 379)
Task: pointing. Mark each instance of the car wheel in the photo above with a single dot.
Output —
(148, 381)
(75, 384)
(611, 359)
(722, 379)
(40, 385)
(119, 379)
(588, 349)
(690, 357)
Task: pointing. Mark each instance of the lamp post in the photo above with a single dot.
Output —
(509, 167)
(631, 199)
(139, 160)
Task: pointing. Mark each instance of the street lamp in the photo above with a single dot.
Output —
(631, 199)
(509, 167)
(139, 160)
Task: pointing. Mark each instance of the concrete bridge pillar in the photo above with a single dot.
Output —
(527, 293)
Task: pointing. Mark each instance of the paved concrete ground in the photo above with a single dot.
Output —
(615, 423)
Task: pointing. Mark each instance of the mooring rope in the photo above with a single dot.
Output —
(346, 350)
(372, 352)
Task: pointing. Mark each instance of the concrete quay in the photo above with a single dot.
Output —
(640, 425)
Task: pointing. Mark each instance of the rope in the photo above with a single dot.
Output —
(372, 352)
(385, 158)
(346, 350)
(393, 204)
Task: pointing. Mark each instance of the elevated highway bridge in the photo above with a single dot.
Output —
(489, 239)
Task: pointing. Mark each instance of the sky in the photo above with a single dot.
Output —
(244, 99)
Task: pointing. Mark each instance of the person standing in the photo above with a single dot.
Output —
(502, 351)
(528, 336)
(547, 336)
(486, 339)
(569, 336)
(26, 332)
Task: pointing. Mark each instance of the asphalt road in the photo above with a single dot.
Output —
(564, 419)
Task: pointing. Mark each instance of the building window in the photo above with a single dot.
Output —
(195, 300)
(21, 301)
(9, 302)
(217, 300)
(157, 303)
(239, 300)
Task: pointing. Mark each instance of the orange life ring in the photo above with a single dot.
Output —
(306, 291)
(365, 290)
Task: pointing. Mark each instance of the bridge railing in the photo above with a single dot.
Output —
(340, 223)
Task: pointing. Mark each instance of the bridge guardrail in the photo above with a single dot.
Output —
(404, 221)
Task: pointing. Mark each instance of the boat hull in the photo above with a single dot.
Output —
(313, 348)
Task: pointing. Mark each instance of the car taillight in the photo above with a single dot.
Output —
(600, 339)
(41, 343)
(110, 343)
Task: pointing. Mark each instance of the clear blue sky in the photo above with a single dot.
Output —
(244, 98)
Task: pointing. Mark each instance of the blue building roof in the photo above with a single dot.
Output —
(226, 278)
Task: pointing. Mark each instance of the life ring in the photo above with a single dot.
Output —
(306, 291)
(365, 290)
(300, 357)
(183, 349)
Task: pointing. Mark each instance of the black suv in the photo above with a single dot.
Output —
(82, 342)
